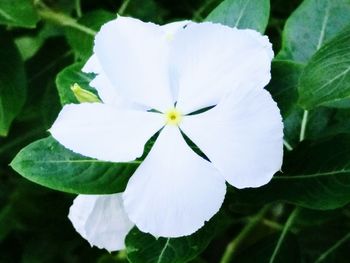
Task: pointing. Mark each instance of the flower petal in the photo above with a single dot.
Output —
(210, 59)
(174, 191)
(134, 57)
(101, 220)
(242, 136)
(100, 131)
(106, 91)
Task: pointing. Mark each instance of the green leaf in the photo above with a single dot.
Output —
(81, 42)
(48, 163)
(12, 84)
(284, 83)
(145, 248)
(68, 77)
(326, 78)
(253, 14)
(315, 175)
(19, 13)
(313, 23)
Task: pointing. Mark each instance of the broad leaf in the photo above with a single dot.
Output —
(12, 84)
(48, 163)
(253, 14)
(326, 78)
(316, 175)
(313, 23)
(82, 42)
(67, 77)
(18, 13)
(145, 248)
(284, 83)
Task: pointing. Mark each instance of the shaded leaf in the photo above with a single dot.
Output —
(262, 250)
(284, 83)
(12, 84)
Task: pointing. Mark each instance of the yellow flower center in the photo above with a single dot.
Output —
(173, 117)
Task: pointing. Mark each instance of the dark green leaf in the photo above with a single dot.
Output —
(262, 250)
(144, 248)
(284, 83)
(48, 163)
(67, 77)
(12, 84)
(326, 78)
(81, 42)
(253, 14)
(313, 23)
(18, 13)
(315, 175)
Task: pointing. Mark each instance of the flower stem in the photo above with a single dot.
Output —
(123, 7)
(303, 125)
(61, 19)
(340, 242)
(232, 247)
(78, 8)
(287, 145)
(286, 227)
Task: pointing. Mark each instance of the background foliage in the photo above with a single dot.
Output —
(301, 216)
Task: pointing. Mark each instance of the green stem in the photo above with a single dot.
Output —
(287, 145)
(123, 7)
(303, 125)
(286, 227)
(61, 19)
(232, 247)
(272, 224)
(78, 8)
(333, 248)
(197, 16)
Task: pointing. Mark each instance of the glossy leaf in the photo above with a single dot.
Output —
(312, 24)
(326, 78)
(48, 163)
(68, 77)
(18, 13)
(12, 84)
(253, 14)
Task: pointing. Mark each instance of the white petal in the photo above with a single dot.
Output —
(92, 65)
(208, 60)
(100, 131)
(134, 56)
(172, 28)
(101, 220)
(106, 91)
(242, 136)
(174, 191)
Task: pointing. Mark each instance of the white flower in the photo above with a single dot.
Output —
(175, 70)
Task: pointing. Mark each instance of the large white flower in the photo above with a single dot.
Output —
(155, 78)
